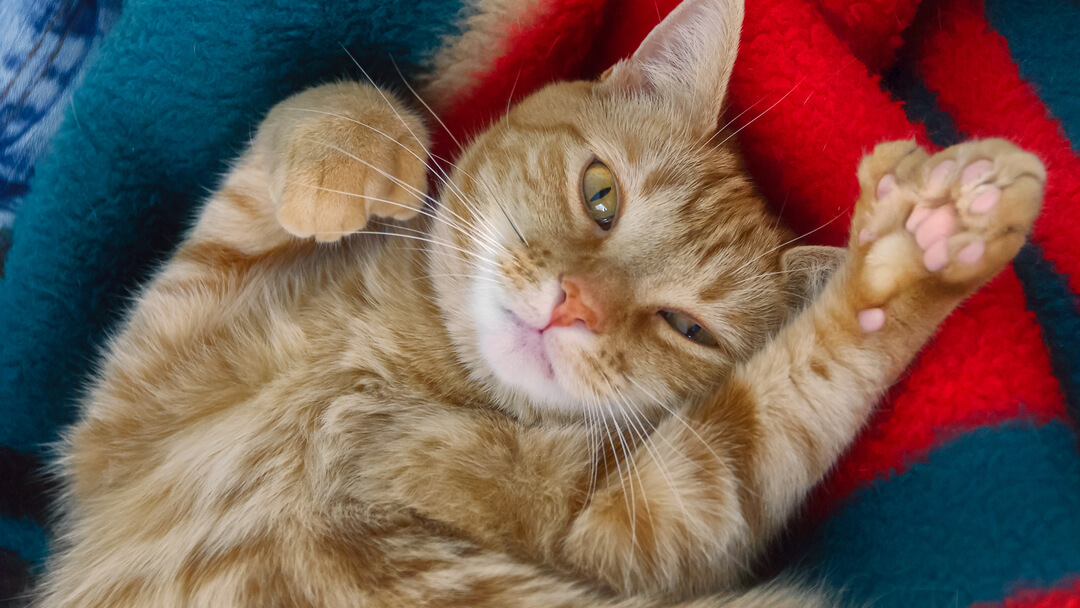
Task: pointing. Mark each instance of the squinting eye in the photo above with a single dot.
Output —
(688, 327)
(600, 194)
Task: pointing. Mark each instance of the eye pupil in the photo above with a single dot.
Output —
(688, 328)
(599, 194)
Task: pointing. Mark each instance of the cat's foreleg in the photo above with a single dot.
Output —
(927, 232)
(724, 476)
(320, 165)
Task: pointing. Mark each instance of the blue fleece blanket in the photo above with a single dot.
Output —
(43, 46)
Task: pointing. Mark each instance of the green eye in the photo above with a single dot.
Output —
(600, 194)
(688, 327)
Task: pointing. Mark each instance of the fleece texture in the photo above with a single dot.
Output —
(964, 486)
(43, 46)
(948, 532)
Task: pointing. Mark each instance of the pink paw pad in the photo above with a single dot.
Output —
(917, 217)
(866, 235)
(939, 225)
(986, 200)
(872, 319)
(976, 172)
(886, 186)
(972, 253)
(936, 256)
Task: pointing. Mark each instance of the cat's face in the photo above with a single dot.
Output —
(612, 257)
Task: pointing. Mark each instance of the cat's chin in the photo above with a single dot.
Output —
(528, 359)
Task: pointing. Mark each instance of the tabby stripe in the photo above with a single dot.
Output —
(517, 72)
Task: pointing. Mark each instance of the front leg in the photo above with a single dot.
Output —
(725, 476)
(321, 164)
(927, 232)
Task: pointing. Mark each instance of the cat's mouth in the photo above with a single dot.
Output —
(532, 342)
(523, 349)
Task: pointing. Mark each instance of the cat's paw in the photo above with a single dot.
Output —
(956, 218)
(333, 169)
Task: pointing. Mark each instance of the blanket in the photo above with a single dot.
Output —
(43, 46)
(965, 487)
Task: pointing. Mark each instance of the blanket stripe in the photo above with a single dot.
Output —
(1055, 307)
(949, 533)
(1067, 596)
(1041, 33)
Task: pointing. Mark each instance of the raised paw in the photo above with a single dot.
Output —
(340, 154)
(954, 219)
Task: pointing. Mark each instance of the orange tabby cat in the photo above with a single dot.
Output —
(588, 376)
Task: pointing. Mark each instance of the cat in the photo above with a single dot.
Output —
(595, 373)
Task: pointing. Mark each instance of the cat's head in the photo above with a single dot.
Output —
(605, 247)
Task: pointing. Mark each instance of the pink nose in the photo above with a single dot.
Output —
(578, 305)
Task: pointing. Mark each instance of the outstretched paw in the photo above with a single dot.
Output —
(956, 218)
(341, 154)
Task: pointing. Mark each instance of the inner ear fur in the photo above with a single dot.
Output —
(686, 61)
(807, 268)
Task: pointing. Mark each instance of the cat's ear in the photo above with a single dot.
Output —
(807, 268)
(686, 60)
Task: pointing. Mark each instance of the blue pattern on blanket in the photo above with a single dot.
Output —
(43, 46)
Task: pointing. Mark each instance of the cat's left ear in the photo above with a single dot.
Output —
(686, 61)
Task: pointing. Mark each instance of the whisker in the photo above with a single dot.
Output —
(788, 242)
(730, 122)
(437, 170)
(646, 441)
(765, 111)
(421, 211)
(632, 506)
(458, 143)
(676, 416)
(510, 97)
(421, 196)
(594, 450)
(615, 454)
(404, 236)
(464, 276)
(431, 167)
